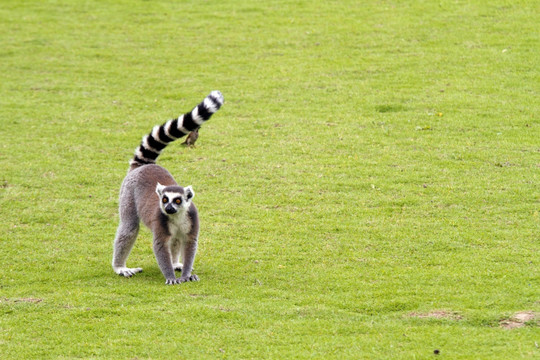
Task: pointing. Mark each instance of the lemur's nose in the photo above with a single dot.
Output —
(170, 209)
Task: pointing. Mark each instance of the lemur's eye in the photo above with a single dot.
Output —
(165, 200)
(178, 201)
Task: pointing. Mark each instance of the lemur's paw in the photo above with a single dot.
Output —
(192, 277)
(173, 281)
(127, 272)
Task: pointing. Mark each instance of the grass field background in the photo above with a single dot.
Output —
(370, 189)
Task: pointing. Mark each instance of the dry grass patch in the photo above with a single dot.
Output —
(518, 320)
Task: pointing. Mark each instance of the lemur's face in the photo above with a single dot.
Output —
(173, 199)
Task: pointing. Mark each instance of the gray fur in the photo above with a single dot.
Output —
(150, 194)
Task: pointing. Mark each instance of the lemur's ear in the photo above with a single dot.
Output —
(189, 192)
(159, 189)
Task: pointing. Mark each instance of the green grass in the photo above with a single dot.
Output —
(374, 163)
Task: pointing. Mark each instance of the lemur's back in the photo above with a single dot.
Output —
(138, 190)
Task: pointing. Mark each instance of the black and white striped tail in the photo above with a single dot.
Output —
(161, 135)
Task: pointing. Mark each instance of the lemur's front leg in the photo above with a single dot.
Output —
(163, 257)
(188, 249)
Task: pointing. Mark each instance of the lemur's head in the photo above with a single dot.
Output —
(173, 199)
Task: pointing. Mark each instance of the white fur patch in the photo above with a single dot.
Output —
(197, 119)
(159, 188)
(181, 125)
(179, 224)
(155, 134)
(190, 194)
(210, 105)
(125, 271)
(171, 195)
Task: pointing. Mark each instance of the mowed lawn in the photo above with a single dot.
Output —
(369, 190)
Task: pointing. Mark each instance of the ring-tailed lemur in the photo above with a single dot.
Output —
(150, 194)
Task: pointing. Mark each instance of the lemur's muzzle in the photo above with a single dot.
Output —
(169, 209)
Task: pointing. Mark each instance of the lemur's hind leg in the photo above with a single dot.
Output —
(123, 243)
